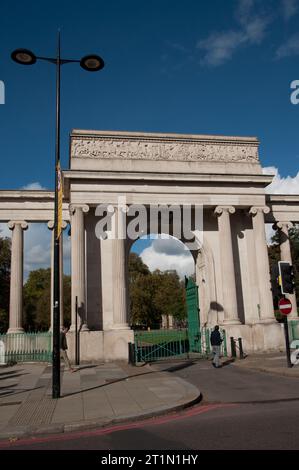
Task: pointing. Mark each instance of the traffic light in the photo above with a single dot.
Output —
(286, 277)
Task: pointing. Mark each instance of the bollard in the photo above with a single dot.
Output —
(132, 359)
(241, 348)
(233, 347)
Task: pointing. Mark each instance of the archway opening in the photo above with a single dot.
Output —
(158, 266)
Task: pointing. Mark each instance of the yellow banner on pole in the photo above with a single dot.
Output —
(59, 201)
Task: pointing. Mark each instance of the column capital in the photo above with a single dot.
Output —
(282, 225)
(254, 210)
(12, 223)
(50, 225)
(219, 210)
(74, 207)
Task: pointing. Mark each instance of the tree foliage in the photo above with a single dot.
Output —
(37, 300)
(153, 294)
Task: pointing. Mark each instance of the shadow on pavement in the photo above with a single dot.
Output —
(78, 368)
(17, 392)
(175, 367)
(228, 362)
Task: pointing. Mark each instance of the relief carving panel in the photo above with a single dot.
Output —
(106, 148)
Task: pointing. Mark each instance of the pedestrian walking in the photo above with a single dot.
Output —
(216, 341)
(63, 349)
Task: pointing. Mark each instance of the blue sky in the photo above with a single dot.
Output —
(193, 66)
(217, 66)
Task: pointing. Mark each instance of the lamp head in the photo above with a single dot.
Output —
(23, 56)
(92, 63)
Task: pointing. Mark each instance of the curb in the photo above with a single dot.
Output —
(269, 371)
(34, 431)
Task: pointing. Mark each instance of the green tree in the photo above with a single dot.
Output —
(140, 291)
(37, 300)
(153, 294)
(5, 256)
(169, 296)
(136, 267)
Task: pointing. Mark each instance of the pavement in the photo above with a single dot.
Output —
(95, 395)
(272, 363)
(98, 395)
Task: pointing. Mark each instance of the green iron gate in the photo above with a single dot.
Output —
(154, 345)
(194, 335)
(26, 347)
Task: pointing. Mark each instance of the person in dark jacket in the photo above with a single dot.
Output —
(216, 341)
(63, 348)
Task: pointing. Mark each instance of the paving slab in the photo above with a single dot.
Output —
(272, 363)
(95, 395)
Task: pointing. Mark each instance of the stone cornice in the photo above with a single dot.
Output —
(162, 136)
(163, 147)
(263, 180)
(283, 198)
(26, 194)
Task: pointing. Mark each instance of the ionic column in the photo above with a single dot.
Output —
(78, 265)
(120, 313)
(262, 263)
(51, 227)
(230, 305)
(16, 276)
(285, 255)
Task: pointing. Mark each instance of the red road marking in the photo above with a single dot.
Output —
(121, 427)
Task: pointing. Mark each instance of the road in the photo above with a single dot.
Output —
(241, 409)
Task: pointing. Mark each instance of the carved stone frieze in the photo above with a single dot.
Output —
(133, 149)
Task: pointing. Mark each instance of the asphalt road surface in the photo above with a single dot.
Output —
(241, 409)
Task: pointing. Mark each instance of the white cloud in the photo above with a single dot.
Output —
(290, 48)
(219, 47)
(37, 242)
(33, 186)
(166, 254)
(280, 185)
(289, 8)
(269, 233)
(37, 247)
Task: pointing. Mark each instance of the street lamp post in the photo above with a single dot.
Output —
(91, 63)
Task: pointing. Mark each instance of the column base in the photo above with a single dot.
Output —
(257, 338)
(98, 346)
(266, 320)
(120, 326)
(83, 328)
(15, 330)
(231, 322)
